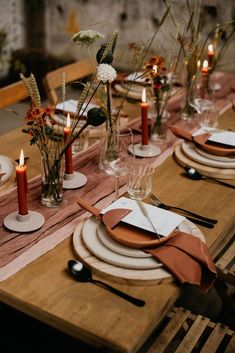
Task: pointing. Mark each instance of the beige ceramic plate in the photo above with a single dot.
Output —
(116, 247)
(190, 151)
(97, 248)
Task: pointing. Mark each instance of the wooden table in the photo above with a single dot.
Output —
(44, 289)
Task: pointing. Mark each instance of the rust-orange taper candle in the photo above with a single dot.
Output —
(68, 152)
(204, 78)
(211, 55)
(22, 188)
(144, 116)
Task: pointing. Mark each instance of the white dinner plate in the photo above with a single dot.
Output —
(97, 248)
(6, 166)
(214, 157)
(191, 152)
(121, 249)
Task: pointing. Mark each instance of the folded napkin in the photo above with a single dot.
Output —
(184, 255)
(188, 259)
(182, 133)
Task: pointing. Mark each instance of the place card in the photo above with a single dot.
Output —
(70, 106)
(219, 136)
(224, 137)
(164, 221)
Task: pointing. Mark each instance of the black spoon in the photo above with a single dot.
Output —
(83, 274)
(195, 175)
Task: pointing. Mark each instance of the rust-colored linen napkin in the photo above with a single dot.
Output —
(188, 259)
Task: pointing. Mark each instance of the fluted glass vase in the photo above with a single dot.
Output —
(52, 180)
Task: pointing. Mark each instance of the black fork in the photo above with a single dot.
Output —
(196, 218)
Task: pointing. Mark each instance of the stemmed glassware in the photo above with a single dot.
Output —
(201, 103)
(115, 158)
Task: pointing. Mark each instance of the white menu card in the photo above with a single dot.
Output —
(164, 221)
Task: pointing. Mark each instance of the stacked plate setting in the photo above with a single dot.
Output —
(211, 153)
(204, 158)
(105, 248)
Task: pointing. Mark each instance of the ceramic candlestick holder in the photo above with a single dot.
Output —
(24, 223)
(149, 150)
(74, 181)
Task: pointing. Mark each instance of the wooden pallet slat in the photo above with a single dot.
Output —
(215, 338)
(173, 338)
(193, 335)
(169, 332)
(231, 345)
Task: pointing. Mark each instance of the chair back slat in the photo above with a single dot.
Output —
(12, 94)
(75, 71)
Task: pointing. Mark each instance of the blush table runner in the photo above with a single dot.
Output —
(19, 249)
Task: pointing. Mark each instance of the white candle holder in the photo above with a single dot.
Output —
(74, 181)
(145, 150)
(24, 223)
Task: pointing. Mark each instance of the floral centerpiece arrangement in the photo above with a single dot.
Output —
(194, 42)
(52, 146)
(106, 74)
(160, 89)
(40, 120)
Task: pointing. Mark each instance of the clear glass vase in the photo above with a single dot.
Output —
(159, 128)
(187, 110)
(115, 157)
(52, 180)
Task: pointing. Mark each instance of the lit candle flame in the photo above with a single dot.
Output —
(144, 95)
(155, 68)
(210, 48)
(198, 64)
(21, 158)
(68, 123)
(205, 64)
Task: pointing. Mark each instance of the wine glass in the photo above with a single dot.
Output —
(202, 103)
(115, 158)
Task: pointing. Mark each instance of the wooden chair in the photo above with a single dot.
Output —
(12, 94)
(184, 332)
(75, 71)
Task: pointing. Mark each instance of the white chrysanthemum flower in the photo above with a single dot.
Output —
(106, 72)
(88, 36)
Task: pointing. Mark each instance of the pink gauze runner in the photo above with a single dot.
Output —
(19, 249)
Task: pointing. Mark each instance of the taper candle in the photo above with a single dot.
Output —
(22, 188)
(199, 66)
(68, 152)
(211, 55)
(144, 115)
(204, 78)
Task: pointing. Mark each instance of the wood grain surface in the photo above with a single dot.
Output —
(46, 291)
